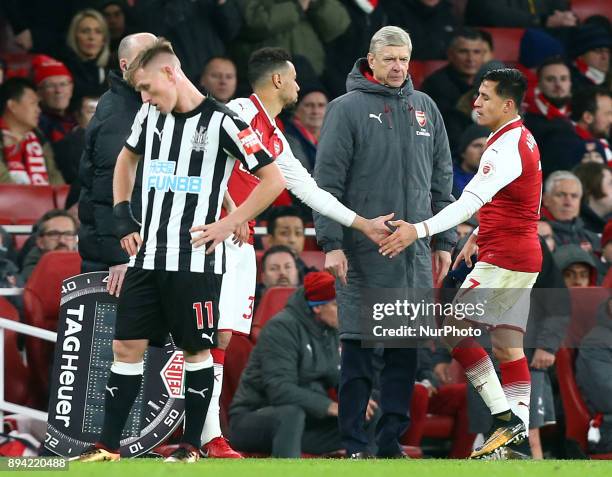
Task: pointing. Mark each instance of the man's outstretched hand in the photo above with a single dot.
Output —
(405, 235)
(376, 229)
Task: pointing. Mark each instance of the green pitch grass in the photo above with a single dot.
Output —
(336, 468)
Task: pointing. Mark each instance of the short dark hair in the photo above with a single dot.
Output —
(52, 214)
(488, 38)
(265, 61)
(465, 32)
(218, 57)
(511, 84)
(276, 249)
(14, 88)
(282, 211)
(551, 60)
(591, 175)
(585, 101)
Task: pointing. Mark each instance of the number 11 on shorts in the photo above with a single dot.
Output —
(200, 315)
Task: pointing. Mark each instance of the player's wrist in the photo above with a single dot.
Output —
(422, 230)
(124, 220)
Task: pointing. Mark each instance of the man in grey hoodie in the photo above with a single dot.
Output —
(382, 147)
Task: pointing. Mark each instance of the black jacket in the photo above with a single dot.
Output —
(104, 138)
(512, 13)
(430, 28)
(296, 360)
(89, 78)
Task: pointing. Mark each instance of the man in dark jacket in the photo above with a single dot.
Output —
(282, 405)
(104, 138)
(382, 146)
(520, 13)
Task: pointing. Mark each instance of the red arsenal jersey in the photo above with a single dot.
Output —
(509, 182)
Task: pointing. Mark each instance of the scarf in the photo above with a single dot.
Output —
(597, 77)
(587, 136)
(24, 158)
(305, 132)
(367, 6)
(541, 105)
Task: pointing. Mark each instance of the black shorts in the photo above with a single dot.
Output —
(154, 303)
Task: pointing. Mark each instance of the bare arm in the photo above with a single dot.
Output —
(124, 175)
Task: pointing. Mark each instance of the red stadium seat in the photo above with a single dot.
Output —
(577, 416)
(16, 373)
(41, 299)
(313, 258)
(585, 8)
(585, 302)
(506, 42)
(60, 194)
(236, 358)
(273, 301)
(25, 203)
(18, 64)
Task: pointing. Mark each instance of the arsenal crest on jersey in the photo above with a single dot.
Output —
(420, 117)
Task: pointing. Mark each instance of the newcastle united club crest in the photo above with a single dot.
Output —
(199, 141)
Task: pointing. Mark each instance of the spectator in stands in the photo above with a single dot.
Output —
(587, 140)
(40, 26)
(88, 53)
(302, 27)
(548, 112)
(520, 13)
(279, 268)
(104, 138)
(447, 85)
(593, 371)
(367, 17)
(606, 245)
(562, 196)
(596, 207)
(282, 405)
(197, 30)
(25, 155)
(2, 70)
(471, 146)
(465, 229)
(589, 49)
(488, 48)
(546, 233)
(431, 24)
(578, 266)
(55, 230)
(219, 78)
(116, 15)
(54, 83)
(69, 149)
(286, 227)
(303, 131)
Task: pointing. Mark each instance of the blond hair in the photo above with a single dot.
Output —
(160, 46)
(71, 41)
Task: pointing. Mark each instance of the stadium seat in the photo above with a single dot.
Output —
(236, 358)
(273, 301)
(18, 64)
(313, 258)
(577, 416)
(22, 203)
(585, 302)
(585, 8)
(16, 373)
(506, 42)
(60, 194)
(41, 299)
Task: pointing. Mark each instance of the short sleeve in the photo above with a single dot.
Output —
(136, 140)
(240, 141)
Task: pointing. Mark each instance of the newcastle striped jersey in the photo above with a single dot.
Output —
(188, 159)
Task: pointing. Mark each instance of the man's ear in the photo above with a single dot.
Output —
(588, 117)
(370, 58)
(123, 66)
(277, 81)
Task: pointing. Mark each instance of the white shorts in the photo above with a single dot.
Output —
(238, 289)
(501, 296)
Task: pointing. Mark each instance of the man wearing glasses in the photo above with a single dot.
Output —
(56, 230)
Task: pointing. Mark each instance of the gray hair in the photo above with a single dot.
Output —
(551, 181)
(390, 36)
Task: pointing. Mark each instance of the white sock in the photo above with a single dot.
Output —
(483, 377)
(212, 425)
(518, 395)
